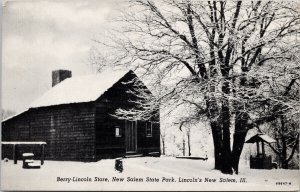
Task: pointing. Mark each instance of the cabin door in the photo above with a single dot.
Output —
(131, 135)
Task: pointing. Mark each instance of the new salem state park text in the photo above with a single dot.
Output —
(149, 179)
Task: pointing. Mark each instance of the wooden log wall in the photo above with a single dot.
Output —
(68, 130)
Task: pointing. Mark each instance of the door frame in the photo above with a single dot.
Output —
(134, 126)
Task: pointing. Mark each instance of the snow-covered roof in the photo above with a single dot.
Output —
(267, 139)
(261, 137)
(79, 89)
(14, 115)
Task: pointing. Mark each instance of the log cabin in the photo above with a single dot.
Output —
(75, 119)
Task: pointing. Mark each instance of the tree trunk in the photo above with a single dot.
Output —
(241, 128)
(285, 164)
(238, 144)
(217, 139)
(189, 143)
(183, 147)
(163, 147)
(241, 125)
(226, 150)
(216, 128)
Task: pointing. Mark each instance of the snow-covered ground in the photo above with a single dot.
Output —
(168, 172)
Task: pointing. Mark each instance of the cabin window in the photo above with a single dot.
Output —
(118, 131)
(148, 129)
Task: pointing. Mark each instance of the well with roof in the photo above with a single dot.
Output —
(261, 160)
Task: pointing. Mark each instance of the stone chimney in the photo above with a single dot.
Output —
(60, 75)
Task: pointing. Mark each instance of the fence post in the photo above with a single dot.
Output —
(15, 153)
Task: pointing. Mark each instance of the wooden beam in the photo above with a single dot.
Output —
(263, 148)
(42, 154)
(15, 156)
(23, 143)
(257, 145)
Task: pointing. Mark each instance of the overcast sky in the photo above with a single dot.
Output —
(41, 36)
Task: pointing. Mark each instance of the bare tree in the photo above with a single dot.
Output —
(187, 130)
(286, 134)
(206, 55)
